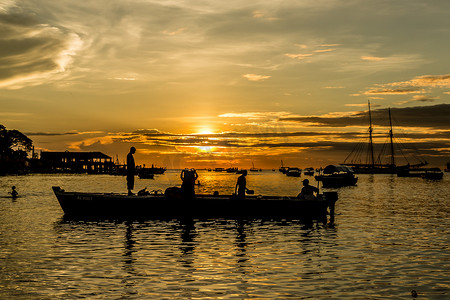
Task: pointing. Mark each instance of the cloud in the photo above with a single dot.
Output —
(31, 51)
(418, 98)
(393, 91)
(420, 116)
(255, 77)
(335, 87)
(426, 81)
(50, 133)
(373, 58)
(175, 32)
(361, 105)
(257, 14)
(298, 56)
(314, 52)
(256, 115)
(323, 50)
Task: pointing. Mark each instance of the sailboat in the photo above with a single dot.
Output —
(253, 169)
(283, 169)
(375, 166)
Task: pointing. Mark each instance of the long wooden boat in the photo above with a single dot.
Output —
(159, 205)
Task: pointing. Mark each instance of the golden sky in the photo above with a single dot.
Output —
(225, 83)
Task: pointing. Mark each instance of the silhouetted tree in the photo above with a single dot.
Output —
(14, 148)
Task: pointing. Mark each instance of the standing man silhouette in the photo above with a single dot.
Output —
(131, 169)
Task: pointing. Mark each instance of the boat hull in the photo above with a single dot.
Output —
(333, 181)
(203, 206)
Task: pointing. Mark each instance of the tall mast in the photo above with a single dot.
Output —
(370, 137)
(391, 136)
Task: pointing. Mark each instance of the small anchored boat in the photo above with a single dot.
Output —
(337, 176)
(169, 205)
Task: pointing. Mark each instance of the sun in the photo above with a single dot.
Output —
(205, 130)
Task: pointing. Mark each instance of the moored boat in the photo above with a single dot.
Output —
(167, 205)
(293, 172)
(427, 173)
(309, 171)
(433, 174)
(337, 176)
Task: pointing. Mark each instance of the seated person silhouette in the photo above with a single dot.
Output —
(308, 191)
(188, 177)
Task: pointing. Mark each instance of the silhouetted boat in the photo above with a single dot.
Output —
(149, 173)
(158, 205)
(337, 176)
(430, 173)
(232, 170)
(293, 172)
(433, 174)
(309, 171)
(283, 169)
(153, 170)
(145, 175)
(375, 166)
(253, 169)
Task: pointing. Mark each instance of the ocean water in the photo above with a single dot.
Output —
(391, 236)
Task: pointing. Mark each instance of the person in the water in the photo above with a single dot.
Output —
(14, 193)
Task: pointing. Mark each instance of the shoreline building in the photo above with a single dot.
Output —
(76, 162)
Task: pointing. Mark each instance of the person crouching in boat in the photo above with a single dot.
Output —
(131, 169)
(308, 191)
(188, 178)
(241, 185)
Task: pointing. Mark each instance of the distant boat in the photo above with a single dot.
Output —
(309, 171)
(231, 170)
(337, 176)
(283, 169)
(427, 173)
(375, 166)
(149, 173)
(433, 174)
(253, 169)
(145, 175)
(294, 172)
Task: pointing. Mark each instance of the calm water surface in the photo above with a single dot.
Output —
(391, 236)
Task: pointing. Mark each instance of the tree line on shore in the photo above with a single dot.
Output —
(14, 149)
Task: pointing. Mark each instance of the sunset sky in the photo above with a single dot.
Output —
(226, 83)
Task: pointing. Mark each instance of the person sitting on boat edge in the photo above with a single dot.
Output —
(308, 191)
(13, 192)
(131, 170)
(188, 177)
(241, 185)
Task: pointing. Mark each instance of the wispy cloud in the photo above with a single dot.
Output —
(174, 32)
(256, 115)
(321, 49)
(430, 116)
(256, 77)
(373, 58)
(299, 55)
(33, 52)
(394, 91)
(442, 81)
(361, 105)
(418, 98)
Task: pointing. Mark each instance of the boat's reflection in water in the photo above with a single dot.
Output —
(181, 255)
